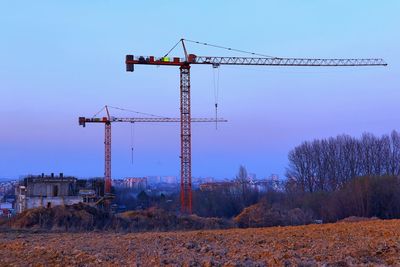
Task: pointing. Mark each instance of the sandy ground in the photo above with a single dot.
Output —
(369, 243)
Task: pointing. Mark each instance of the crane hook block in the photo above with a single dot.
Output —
(129, 66)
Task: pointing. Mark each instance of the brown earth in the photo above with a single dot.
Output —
(365, 243)
(261, 215)
(84, 218)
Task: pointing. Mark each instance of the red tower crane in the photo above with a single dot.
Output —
(107, 136)
(191, 59)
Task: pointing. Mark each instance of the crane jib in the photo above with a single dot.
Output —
(84, 120)
(255, 61)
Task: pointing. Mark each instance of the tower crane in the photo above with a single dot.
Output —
(184, 65)
(107, 135)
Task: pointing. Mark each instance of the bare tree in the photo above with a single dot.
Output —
(242, 181)
(327, 164)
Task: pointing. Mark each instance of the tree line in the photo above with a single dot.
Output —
(327, 164)
(327, 179)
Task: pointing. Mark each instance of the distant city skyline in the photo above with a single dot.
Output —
(161, 178)
(62, 60)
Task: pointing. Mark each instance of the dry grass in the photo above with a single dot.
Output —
(80, 217)
(261, 215)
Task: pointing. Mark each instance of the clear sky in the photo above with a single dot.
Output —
(63, 59)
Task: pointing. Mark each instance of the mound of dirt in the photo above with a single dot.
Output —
(81, 217)
(77, 217)
(261, 215)
(160, 220)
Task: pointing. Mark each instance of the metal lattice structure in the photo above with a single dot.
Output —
(184, 64)
(186, 145)
(84, 120)
(255, 61)
(289, 62)
(107, 137)
(107, 157)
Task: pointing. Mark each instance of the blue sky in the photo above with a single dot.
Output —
(63, 59)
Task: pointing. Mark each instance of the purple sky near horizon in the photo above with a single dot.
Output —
(65, 59)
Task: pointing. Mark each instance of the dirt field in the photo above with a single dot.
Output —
(369, 243)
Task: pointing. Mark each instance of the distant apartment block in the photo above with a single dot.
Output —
(202, 180)
(136, 183)
(169, 179)
(7, 186)
(226, 185)
(151, 180)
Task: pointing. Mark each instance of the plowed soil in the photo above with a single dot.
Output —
(368, 243)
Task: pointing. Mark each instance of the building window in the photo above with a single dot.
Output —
(55, 190)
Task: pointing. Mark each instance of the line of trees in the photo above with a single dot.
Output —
(327, 179)
(327, 164)
(367, 196)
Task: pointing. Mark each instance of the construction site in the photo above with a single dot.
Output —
(50, 191)
(200, 153)
(38, 192)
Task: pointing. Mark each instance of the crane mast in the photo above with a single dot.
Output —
(107, 157)
(184, 66)
(186, 144)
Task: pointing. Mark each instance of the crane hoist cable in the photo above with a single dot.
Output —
(132, 140)
(216, 93)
